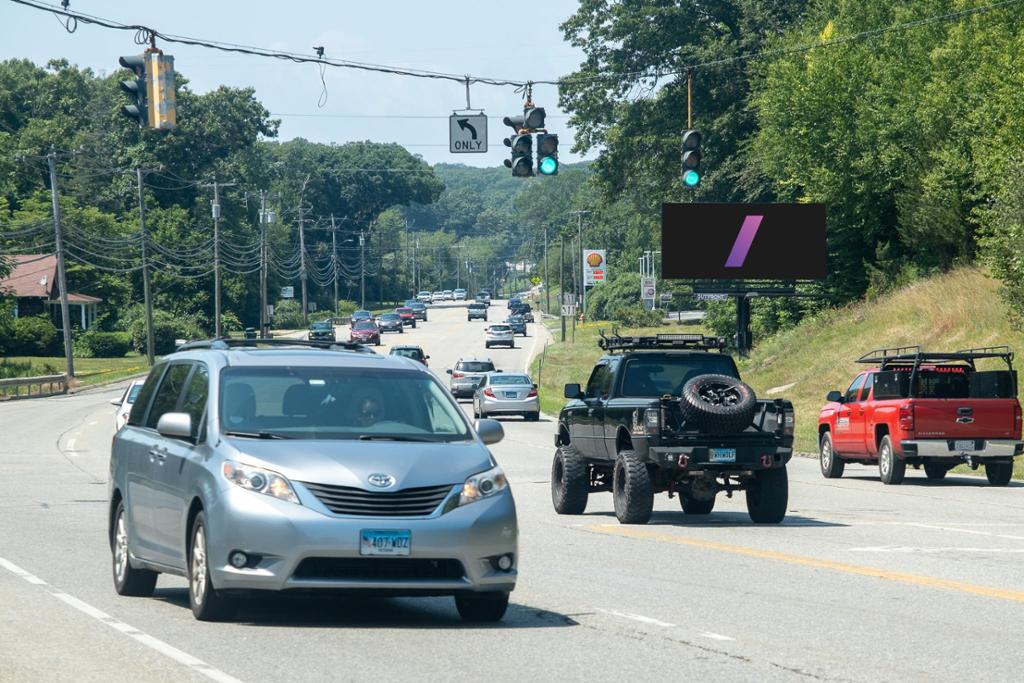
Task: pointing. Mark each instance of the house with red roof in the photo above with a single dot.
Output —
(33, 283)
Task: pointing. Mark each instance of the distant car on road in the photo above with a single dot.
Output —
(360, 315)
(447, 295)
(409, 351)
(424, 296)
(935, 410)
(383, 485)
(436, 296)
(390, 322)
(484, 298)
(476, 311)
(467, 374)
(513, 303)
(418, 308)
(407, 315)
(524, 309)
(321, 331)
(511, 393)
(517, 324)
(499, 334)
(125, 402)
(459, 294)
(365, 332)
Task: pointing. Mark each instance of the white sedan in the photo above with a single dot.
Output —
(125, 402)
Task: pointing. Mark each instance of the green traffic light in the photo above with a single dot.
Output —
(691, 178)
(548, 166)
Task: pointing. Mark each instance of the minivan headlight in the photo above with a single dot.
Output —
(483, 485)
(259, 480)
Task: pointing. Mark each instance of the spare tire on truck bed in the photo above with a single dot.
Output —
(717, 404)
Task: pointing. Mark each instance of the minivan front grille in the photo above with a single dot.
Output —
(346, 500)
(379, 569)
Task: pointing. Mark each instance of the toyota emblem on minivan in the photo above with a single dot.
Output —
(382, 481)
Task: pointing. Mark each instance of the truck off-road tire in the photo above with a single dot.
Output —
(999, 473)
(692, 506)
(718, 404)
(891, 468)
(632, 492)
(570, 481)
(936, 470)
(768, 496)
(832, 465)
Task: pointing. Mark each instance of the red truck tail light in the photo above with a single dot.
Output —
(488, 393)
(907, 417)
(1016, 418)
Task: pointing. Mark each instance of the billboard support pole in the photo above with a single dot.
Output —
(743, 340)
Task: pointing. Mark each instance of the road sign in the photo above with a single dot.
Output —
(287, 292)
(467, 134)
(710, 297)
(666, 296)
(648, 290)
(595, 267)
(569, 310)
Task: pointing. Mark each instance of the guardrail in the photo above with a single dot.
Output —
(14, 384)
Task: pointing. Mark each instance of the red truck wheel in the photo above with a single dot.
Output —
(831, 464)
(891, 468)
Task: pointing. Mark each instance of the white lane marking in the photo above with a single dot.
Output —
(976, 532)
(715, 636)
(921, 549)
(194, 663)
(94, 422)
(635, 617)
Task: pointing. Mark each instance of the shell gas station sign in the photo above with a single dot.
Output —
(595, 267)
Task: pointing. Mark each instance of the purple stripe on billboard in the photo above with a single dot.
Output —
(743, 241)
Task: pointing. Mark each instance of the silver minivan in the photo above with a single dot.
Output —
(308, 465)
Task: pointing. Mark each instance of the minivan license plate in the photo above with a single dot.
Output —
(374, 542)
(722, 455)
(963, 446)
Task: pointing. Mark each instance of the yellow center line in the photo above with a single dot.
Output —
(859, 570)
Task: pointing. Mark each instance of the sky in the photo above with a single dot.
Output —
(456, 36)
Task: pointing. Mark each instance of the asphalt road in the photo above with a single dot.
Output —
(862, 582)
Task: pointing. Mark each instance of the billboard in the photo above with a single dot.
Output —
(743, 241)
(595, 267)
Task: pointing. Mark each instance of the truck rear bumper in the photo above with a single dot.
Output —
(718, 458)
(947, 448)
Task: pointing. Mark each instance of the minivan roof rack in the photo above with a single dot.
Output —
(695, 342)
(225, 343)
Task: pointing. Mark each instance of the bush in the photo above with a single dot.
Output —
(95, 344)
(346, 307)
(35, 336)
(167, 327)
(288, 315)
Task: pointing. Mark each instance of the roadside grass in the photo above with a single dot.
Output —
(563, 363)
(957, 310)
(87, 370)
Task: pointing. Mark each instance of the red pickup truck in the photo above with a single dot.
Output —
(935, 410)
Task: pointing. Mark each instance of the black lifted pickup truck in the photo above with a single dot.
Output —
(665, 413)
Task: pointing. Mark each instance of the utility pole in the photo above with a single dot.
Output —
(215, 211)
(362, 269)
(302, 252)
(264, 266)
(62, 282)
(561, 282)
(146, 297)
(547, 284)
(579, 256)
(334, 261)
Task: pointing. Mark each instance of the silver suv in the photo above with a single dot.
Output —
(466, 375)
(382, 486)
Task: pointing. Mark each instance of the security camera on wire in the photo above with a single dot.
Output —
(530, 122)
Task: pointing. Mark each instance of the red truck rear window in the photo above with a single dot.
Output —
(946, 382)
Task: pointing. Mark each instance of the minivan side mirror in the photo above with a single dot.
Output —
(115, 402)
(834, 397)
(175, 425)
(573, 391)
(490, 431)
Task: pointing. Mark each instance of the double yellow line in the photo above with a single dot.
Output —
(803, 560)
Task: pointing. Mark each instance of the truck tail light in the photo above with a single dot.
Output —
(652, 420)
(786, 421)
(1016, 418)
(488, 393)
(907, 417)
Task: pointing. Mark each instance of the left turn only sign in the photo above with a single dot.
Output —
(467, 134)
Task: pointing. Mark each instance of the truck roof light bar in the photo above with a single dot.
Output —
(696, 342)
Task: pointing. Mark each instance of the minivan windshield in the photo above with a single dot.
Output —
(659, 375)
(337, 403)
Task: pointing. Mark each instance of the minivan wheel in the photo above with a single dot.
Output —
(207, 603)
(632, 493)
(128, 581)
(482, 607)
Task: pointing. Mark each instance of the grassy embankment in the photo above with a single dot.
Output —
(87, 370)
(957, 310)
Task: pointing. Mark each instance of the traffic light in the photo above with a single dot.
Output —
(521, 162)
(533, 118)
(152, 88)
(691, 158)
(547, 153)
(135, 88)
